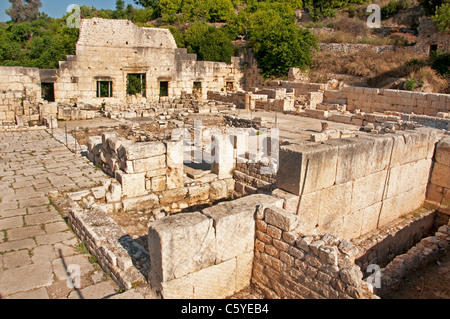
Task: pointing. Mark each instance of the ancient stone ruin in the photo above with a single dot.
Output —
(292, 190)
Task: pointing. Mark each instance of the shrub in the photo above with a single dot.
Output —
(442, 18)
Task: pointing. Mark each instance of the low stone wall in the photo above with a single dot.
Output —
(381, 100)
(290, 266)
(351, 186)
(380, 246)
(426, 251)
(300, 88)
(116, 252)
(438, 190)
(351, 48)
(205, 255)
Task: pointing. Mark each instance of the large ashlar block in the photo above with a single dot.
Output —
(235, 229)
(308, 211)
(180, 288)
(443, 152)
(149, 164)
(410, 146)
(216, 282)
(175, 178)
(180, 245)
(402, 204)
(370, 218)
(141, 150)
(222, 156)
(316, 162)
(335, 203)
(368, 190)
(281, 219)
(440, 175)
(133, 185)
(244, 267)
(354, 158)
(408, 176)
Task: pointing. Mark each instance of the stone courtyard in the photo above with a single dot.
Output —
(37, 246)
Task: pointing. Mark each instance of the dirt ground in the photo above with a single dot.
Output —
(432, 282)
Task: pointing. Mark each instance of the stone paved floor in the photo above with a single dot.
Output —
(36, 246)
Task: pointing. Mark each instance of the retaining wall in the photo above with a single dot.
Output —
(290, 266)
(381, 100)
(354, 185)
(438, 190)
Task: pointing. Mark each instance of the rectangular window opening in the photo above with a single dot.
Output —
(136, 84)
(164, 88)
(104, 89)
(48, 91)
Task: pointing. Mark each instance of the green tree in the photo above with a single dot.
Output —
(279, 47)
(208, 42)
(442, 18)
(20, 11)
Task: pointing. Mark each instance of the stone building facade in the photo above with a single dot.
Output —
(109, 53)
(116, 62)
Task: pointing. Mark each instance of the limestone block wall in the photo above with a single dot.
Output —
(208, 254)
(438, 190)
(381, 100)
(109, 50)
(20, 90)
(428, 250)
(151, 175)
(250, 177)
(288, 265)
(354, 185)
(300, 88)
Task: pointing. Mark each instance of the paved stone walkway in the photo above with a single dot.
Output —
(36, 245)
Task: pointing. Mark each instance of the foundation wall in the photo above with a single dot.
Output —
(438, 191)
(351, 186)
(290, 266)
(381, 100)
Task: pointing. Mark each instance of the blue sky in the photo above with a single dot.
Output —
(57, 8)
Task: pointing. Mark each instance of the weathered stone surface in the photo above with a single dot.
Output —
(141, 150)
(235, 230)
(133, 185)
(281, 218)
(218, 190)
(140, 203)
(175, 177)
(440, 175)
(180, 245)
(25, 278)
(443, 152)
(317, 162)
(222, 155)
(149, 164)
(215, 282)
